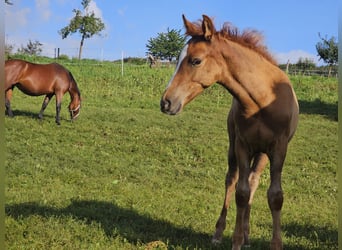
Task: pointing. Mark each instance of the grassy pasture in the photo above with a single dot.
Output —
(126, 176)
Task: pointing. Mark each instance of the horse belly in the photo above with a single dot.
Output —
(32, 90)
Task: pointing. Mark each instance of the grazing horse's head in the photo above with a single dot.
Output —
(75, 108)
(75, 94)
(198, 67)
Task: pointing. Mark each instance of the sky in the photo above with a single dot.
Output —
(290, 27)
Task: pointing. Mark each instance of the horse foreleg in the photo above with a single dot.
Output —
(259, 163)
(231, 179)
(8, 97)
(58, 108)
(242, 194)
(275, 193)
(44, 105)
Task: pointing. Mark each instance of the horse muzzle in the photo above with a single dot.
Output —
(167, 107)
(74, 113)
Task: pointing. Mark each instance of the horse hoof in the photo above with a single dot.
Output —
(215, 241)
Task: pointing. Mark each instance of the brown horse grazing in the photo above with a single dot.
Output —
(42, 79)
(262, 120)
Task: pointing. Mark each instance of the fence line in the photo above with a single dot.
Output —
(313, 72)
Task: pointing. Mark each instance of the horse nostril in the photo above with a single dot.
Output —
(165, 105)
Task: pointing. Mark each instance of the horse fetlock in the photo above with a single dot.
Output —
(9, 113)
(276, 244)
(246, 239)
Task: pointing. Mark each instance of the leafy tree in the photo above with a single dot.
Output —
(85, 23)
(305, 64)
(166, 46)
(327, 50)
(32, 48)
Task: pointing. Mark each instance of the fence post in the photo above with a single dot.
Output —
(122, 63)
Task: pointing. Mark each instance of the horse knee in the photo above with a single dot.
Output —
(242, 196)
(275, 199)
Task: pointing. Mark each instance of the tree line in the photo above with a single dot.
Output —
(165, 45)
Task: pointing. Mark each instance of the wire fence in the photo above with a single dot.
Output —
(100, 54)
(313, 72)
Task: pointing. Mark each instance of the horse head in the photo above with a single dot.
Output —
(74, 108)
(198, 67)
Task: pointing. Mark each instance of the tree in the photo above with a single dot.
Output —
(305, 64)
(327, 50)
(8, 2)
(85, 23)
(166, 46)
(32, 48)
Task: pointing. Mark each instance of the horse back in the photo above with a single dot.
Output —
(36, 79)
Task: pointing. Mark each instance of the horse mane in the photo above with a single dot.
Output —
(73, 86)
(249, 38)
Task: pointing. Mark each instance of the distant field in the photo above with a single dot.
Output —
(126, 176)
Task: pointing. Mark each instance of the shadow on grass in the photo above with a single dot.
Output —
(33, 115)
(317, 107)
(134, 227)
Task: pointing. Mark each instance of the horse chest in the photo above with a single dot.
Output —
(255, 133)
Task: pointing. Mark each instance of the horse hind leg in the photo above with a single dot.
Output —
(258, 166)
(44, 105)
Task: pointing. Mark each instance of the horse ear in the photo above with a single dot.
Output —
(191, 28)
(208, 28)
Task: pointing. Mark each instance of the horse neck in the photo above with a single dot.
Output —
(249, 77)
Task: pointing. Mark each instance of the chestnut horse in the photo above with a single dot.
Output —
(262, 120)
(42, 79)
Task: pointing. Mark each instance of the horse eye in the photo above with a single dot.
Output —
(196, 62)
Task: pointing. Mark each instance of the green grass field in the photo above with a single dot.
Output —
(126, 176)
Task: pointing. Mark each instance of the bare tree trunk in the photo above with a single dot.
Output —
(287, 66)
(329, 74)
(81, 47)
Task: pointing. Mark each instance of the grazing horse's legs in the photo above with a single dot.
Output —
(44, 105)
(59, 96)
(8, 97)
